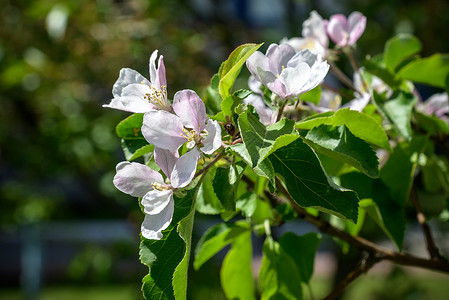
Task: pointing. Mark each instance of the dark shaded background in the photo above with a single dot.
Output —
(58, 151)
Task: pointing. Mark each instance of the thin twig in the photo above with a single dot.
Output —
(217, 158)
(431, 247)
(359, 242)
(341, 93)
(364, 266)
(344, 79)
(355, 67)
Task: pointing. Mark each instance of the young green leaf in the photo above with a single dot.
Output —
(279, 277)
(206, 199)
(312, 96)
(163, 257)
(360, 124)
(231, 68)
(226, 182)
(339, 143)
(431, 70)
(235, 275)
(301, 250)
(398, 111)
(129, 128)
(215, 239)
(379, 204)
(309, 185)
(431, 124)
(399, 171)
(260, 140)
(399, 48)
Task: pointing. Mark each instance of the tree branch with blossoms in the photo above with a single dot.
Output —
(287, 147)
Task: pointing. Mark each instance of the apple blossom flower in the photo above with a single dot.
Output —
(437, 105)
(345, 32)
(267, 116)
(285, 72)
(314, 36)
(139, 180)
(189, 124)
(134, 93)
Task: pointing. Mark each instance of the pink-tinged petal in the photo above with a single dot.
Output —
(266, 77)
(153, 225)
(257, 61)
(161, 77)
(184, 169)
(278, 87)
(337, 29)
(278, 57)
(304, 56)
(152, 65)
(213, 139)
(163, 130)
(132, 99)
(165, 160)
(190, 109)
(294, 79)
(127, 76)
(135, 179)
(265, 113)
(357, 24)
(254, 84)
(155, 201)
(314, 28)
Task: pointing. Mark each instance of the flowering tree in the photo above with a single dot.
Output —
(292, 146)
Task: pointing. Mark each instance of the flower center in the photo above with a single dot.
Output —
(158, 98)
(192, 136)
(159, 187)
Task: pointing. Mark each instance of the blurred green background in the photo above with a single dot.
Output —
(64, 229)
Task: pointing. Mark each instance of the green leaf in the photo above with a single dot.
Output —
(235, 275)
(134, 148)
(338, 142)
(279, 276)
(129, 128)
(247, 203)
(226, 183)
(313, 96)
(309, 185)
(185, 228)
(265, 168)
(231, 101)
(360, 124)
(167, 257)
(379, 204)
(215, 239)
(399, 48)
(431, 124)
(383, 73)
(206, 199)
(398, 111)
(431, 70)
(213, 98)
(399, 171)
(302, 250)
(436, 174)
(260, 140)
(231, 68)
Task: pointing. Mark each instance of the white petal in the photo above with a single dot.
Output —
(132, 99)
(127, 76)
(294, 79)
(135, 179)
(152, 65)
(213, 139)
(165, 160)
(163, 130)
(153, 225)
(184, 169)
(191, 109)
(155, 201)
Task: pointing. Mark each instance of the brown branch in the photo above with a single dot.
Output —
(431, 247)
(359, 242)
(364, 266)
(343, 78)
(217, 158)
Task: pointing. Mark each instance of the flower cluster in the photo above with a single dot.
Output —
(167, 126)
